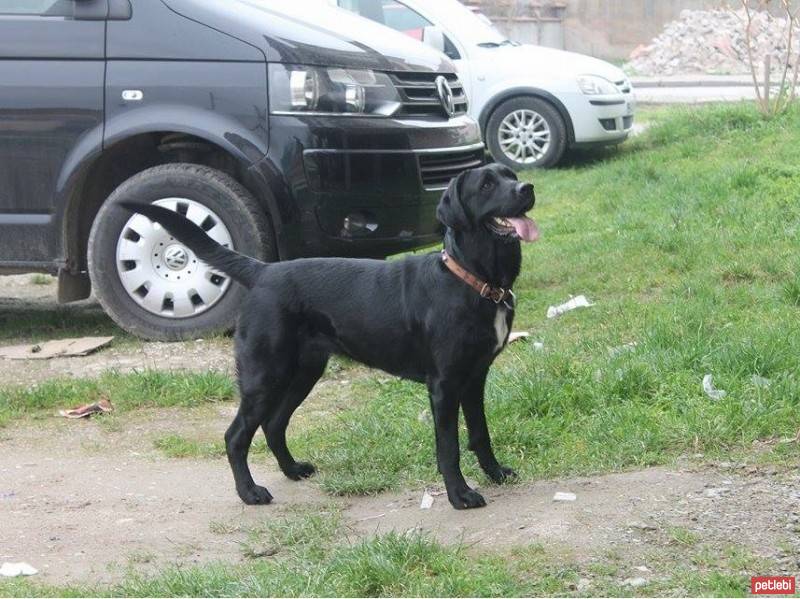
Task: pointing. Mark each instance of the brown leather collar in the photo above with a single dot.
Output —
(495, 294)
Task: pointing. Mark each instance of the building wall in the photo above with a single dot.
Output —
(613, 28)
(608, 29)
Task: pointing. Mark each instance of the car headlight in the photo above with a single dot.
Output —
(297, 89)
(592, 85)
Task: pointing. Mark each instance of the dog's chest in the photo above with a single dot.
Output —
(501, 327)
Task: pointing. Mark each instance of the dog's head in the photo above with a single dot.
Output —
(489, 200)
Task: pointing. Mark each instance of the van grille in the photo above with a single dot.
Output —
(624, 86)
(419, 95)
(439, 169)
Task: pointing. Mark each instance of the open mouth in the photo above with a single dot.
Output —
(518, 227)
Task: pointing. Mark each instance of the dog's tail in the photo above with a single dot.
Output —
(237, 266)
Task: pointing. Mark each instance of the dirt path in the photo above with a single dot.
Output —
(82, 502)
(29, 312)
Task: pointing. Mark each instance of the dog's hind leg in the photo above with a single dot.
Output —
(260, 391)
(310, 367)
(237, 443)
(472, 403)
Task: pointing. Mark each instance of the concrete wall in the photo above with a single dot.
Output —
(613, 28)
(608, 29)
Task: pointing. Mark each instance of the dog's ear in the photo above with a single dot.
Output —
(451, 212)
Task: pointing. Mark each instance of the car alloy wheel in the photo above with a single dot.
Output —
(164, 276)
(524, 136)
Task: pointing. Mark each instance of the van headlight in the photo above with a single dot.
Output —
(592, 85)
(296, 89)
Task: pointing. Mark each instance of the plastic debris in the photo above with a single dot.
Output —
(564, 496)
(59, 348)
(711, 390)
(12, 570)
(760, 381)
(99, 407)
(573, 304)
(427, 501)
(517, 335)
(375, 517)
(622, 349)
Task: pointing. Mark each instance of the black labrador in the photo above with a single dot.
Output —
(439, 319)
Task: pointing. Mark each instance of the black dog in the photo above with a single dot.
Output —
(439, 319)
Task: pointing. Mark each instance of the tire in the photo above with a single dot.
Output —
(543, 118)
(118, 255)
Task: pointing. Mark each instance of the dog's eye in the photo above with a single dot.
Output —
(487, 185)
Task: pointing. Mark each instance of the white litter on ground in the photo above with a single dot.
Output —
(711, 390)
(573, 304)
(427, 501)
(517, 335)
(622, 349)
(563, 496)
(760, 381)
(11, 570)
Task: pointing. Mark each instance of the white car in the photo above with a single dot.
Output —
(533, 103)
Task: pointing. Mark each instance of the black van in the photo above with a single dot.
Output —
(283, 131)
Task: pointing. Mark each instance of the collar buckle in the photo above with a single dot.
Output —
(496, 294)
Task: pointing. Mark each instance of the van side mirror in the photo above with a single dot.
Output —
(433, 37)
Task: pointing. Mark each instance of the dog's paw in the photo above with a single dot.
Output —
(466, 498)
(255, 495)
(501, 474)
(300, 471)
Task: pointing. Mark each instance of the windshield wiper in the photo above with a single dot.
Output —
(497, 44)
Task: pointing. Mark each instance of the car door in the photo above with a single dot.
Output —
(52, 63)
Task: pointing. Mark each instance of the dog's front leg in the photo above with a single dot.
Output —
(480, 442)
(444, 405)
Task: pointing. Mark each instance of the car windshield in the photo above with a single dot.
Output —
(472, 27)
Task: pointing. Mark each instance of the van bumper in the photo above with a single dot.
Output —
(362, 187)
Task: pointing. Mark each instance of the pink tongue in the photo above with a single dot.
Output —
(526, 228)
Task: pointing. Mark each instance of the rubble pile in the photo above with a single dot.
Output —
(714, 42)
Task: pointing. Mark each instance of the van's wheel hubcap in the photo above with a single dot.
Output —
(524, 136)
(161, 274)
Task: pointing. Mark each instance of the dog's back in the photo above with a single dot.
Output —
(369, 310)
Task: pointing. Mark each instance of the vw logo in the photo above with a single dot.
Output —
(446, 95)
(175, 257)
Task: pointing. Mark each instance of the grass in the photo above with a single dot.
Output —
(308, 555)
(40, 279)
(686, 239)
(144, 389)
(20, 324)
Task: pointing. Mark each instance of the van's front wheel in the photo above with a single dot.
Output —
(526, 132)
(151, 284)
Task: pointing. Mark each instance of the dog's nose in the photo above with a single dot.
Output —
(525, 190)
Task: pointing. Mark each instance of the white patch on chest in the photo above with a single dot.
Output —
(501, 327)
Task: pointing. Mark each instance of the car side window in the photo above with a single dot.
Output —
(398, 16)
(38, 8)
